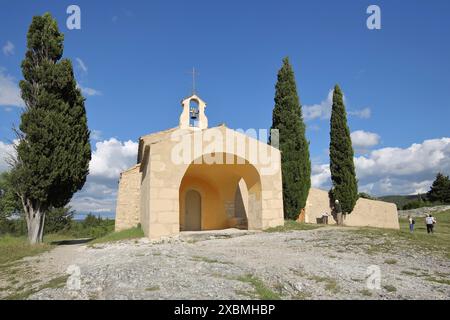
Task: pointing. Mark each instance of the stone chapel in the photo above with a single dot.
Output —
(193, 177)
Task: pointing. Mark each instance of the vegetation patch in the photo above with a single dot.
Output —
(437, 280)
(390, 288)
(209, 260)
(153, 288)
(291, 225)
(128, 234)
(366, 292)
(262, 291)
(390, 261)
(388, 241)
(408, 273)
(330, 283)
(54, 283)
(16, 248)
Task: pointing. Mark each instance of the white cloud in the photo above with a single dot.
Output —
(95, 197)
(82, 65)
(319, 111)
(89, 91)
(9, 91)
(111, 157)
(364, 139)
(419, 159)
(320, 176)
(8, 48)
(96, 135)
(323, 110)
(384, 171)
(6, 151)
(365, 113)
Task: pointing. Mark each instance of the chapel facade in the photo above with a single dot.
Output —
(193, 177)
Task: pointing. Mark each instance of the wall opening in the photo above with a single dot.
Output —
(230, 195)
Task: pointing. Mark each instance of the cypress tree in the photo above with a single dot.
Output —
(53, 153)
(295, 163)
(343, 177)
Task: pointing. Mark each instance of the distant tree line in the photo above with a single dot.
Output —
(58, 220)
(439, 194)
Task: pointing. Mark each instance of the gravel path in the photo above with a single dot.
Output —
(325, 263)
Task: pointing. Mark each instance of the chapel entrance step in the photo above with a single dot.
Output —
(215, 234)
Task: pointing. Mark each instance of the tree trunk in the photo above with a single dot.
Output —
(35, 218)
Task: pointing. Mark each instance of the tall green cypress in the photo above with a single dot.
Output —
(53, 153)
(343, 177)
(295, 163)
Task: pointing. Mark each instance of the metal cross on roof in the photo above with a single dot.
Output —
(194, 73)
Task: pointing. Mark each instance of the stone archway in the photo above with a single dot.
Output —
(230, 194)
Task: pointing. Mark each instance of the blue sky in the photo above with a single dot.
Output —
(133, 58)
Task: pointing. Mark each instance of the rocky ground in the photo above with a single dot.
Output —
(324, 263)
(422, 212)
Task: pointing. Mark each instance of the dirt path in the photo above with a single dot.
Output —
(325, 263)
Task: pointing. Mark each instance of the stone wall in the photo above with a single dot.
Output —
(128, 199)
(367, 213)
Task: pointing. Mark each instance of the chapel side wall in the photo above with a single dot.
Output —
(128, 200)
(367, 213)
(164, 190)
(145, 193)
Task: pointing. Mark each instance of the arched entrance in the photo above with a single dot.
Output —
(193, 211)
(230, 195)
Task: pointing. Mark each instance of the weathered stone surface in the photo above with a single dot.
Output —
(367, 213)
(128, 199)
(326, 263)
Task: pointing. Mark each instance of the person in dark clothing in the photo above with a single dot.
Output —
(338, 210)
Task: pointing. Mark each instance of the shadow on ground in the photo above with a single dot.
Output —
(71, 241)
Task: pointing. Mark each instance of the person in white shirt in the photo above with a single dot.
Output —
(411, 224)
(430, 221)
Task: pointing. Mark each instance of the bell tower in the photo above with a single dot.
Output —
(193, 114)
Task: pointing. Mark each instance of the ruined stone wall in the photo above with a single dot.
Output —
(128, 199)
(367, 213)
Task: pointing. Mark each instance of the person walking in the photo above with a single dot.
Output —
(411, 224)
(430, 221)
(338, 210)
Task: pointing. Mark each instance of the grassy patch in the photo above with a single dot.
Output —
(54, 283)
(15, 248)
(436, 280)
(153, 288)
(291, 225)
(408, 273)
(209, 260)
(133, 233)
(262, 291)
(366, 292)
(330, 283)
(390, 261)
(390, 288)
(387, 240)
(332, 286)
